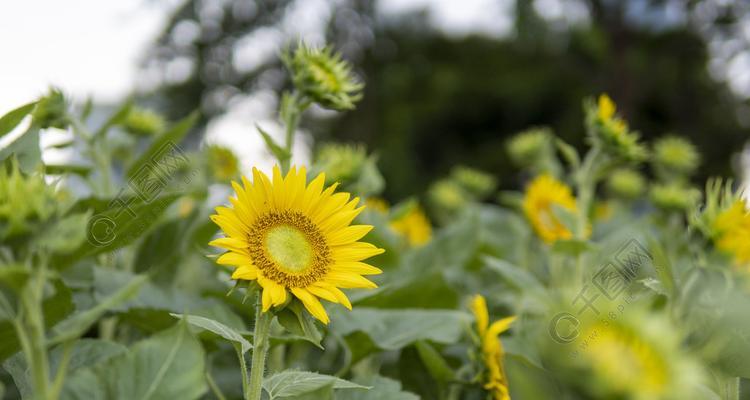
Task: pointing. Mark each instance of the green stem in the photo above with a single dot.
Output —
(215, 389)
(30, 330)
(260, 348)
(585, 180)
(243, 369)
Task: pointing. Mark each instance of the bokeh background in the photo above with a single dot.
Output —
(448, 82)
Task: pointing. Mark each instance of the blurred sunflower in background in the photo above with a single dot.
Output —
(491, 349)
(542, 195)
(291, 236)
(413, 225)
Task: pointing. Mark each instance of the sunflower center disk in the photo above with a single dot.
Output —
(289, 248)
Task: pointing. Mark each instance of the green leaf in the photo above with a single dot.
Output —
(26, 149)
(381, 389)
(168, 365)
(278, 151)
(116, 118)
(10, 120)
(434, 362)
(300, 323)
(296, 383)
(395, 329)
(65, 236)
(569, 153)
(173, 136)
(662, 265)
(121, 223)
(515, 276)
(217, 328)
(84, 353)
(79, 323)
(59, 169)
(434, 293)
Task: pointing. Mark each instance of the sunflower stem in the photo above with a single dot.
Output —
(260, 348)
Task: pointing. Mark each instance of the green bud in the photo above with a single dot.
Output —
(610, 132)
(447, 195)
(530, 147)
(222, 162)
(24, 200)
(321, 75)
(626, 183)
(675, 154)
(341, 162)
(674, 196)
(51, 110)
(141, 121)
(476, 182)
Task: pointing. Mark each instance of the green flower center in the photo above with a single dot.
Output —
(289, 248)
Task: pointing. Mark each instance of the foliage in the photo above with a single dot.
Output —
(112, 292)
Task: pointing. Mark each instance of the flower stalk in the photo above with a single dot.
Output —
(260, 348)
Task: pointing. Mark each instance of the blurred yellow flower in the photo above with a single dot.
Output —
(495, 379)
(223, 162)
(377, 204)
(542, 194)
(732, 227)
(626, 362)
(292, 236)
(611, 132)
(414, 226)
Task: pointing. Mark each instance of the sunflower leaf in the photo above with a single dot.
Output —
(299, 323)
(278, 151)
(296, 383)
(217, 328)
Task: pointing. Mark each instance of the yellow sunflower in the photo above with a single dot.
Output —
(495, 379)
(293, 237)
(732, 227)
(414, 226)
(542, 194)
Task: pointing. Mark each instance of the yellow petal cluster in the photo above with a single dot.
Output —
(495, 380)
(294, 237)
(542, 195)
(732, 227)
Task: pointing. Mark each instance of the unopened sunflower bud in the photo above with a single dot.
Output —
(675, 154)
(323, 76)
(674, 196)
(24, 201)
(476, 182)
(626, 183)
(611, 132)
(530, 147)
(341, 162)
(51, 110)
(141, 121)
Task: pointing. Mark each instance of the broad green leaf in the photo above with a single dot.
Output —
(434, 292)
(514, 275)
(79, 323)
(217, 328)
(571, 247)
(297, 383)
(662, 265)
(395, 329)
(122, 222)
(169, 138)
(65, 236)
(26, 149)
(381, 388)
(168, 365)
(10, 120)
(84, 353)
(300, 323)
(570, 154)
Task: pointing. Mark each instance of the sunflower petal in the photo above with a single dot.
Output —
(336, 292)
(350, 234)
(500, 326)
(356, 267)
(246, 272)
(229, 244)
(357, 251)
(312, 304)
(235, 259)
(349, 281)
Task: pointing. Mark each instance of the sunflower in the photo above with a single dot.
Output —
(542, 194)
(732, 227)
(414, 226)
(293, 237)
(495, 379)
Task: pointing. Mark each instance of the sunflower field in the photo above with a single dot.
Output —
(152, 270)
